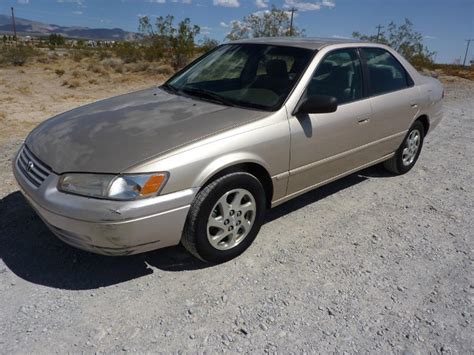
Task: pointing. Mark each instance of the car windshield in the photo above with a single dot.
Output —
(245, 75)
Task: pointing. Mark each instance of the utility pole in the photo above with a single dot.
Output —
(467, 50)
(14, 26)
(379, 27)
(293, 10)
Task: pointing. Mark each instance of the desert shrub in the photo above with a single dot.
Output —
(96, 68)
(152, 53)
(208, 44)
(76, 74)
(93, 81)
(77, 55)
(103, 54)
(128, 52)
(59, 72)
(163, 69)
(175, 43)
(17, 55)
(114, 64)
(138, 67)
(72, 83)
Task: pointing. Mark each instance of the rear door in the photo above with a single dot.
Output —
(393, 98)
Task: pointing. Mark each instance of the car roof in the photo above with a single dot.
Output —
(305, 42)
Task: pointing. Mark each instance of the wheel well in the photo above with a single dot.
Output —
(252, 168)
(425, 121)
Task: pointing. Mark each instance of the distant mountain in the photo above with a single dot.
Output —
(35, 28)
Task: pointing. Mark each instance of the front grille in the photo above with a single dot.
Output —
(32, 168)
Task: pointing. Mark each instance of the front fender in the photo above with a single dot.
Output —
(226, 161)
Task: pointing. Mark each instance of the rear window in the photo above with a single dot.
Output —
(386, 74)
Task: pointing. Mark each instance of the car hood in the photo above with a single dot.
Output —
(112, 135)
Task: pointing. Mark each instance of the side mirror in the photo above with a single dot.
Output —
(317, 104)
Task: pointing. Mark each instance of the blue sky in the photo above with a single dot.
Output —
(444, 23)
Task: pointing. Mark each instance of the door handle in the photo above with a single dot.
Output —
(414, 105)
(363, 120)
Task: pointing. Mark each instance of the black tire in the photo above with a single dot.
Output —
(195, 238)
(395, 164)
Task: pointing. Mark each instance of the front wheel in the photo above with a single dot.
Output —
(408, 152)
(225, 218)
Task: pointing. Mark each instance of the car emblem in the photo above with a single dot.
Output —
(30, 166)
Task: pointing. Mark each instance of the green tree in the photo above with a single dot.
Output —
(164, 40)
(405, 40)
(56, 40)
(4, 39)
(208, 44)
(272, 23)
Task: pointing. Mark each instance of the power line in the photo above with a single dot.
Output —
(467, 50)
(293, 10)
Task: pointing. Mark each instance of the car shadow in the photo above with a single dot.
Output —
(34, 254)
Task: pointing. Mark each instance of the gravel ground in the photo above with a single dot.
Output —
(371, 264)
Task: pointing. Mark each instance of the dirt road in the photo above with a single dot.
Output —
(371, 264)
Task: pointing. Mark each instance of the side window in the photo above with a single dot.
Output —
(385, 72)
(338, 75)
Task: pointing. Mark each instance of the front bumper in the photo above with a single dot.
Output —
(107, 227)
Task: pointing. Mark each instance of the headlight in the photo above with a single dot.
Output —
(113, 187)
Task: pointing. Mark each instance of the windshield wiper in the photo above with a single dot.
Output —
(205, 94)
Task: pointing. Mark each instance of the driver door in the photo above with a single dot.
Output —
(326, 145)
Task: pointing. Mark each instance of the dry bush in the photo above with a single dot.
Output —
(47, 58)
(138, 67)
(163, 69)
(128, 52)
(93, 81)
(113, 63)
(3, 116)
(454, 70)
(24, 90)
(96, 68)
(79, 54)
(17, 55)
(72, 83)
(59, 72)
(77, 74)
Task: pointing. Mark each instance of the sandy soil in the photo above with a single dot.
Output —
(371, 263)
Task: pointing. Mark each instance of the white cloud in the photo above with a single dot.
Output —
(77, 2)
(223, 24)
(340, 37)
(429, 37)
(261, 4)
(227, 3)
(328, 3)
(205, 30)
(309, 5)
(23, 2)
(78, 12)
(157, 1)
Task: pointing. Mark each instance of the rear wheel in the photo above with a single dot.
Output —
(225, 218)
(408, 152)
